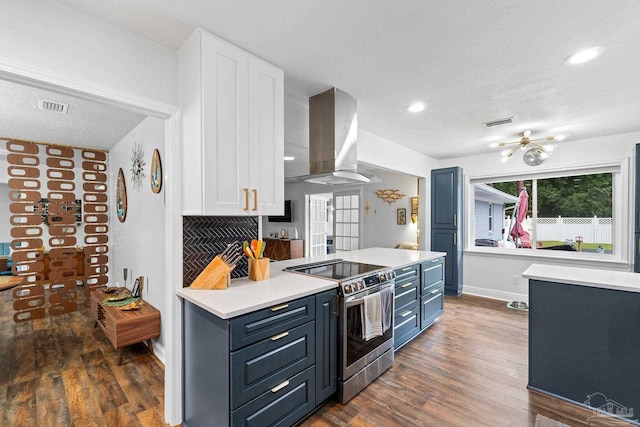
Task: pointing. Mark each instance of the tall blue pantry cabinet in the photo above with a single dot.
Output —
(446, 224)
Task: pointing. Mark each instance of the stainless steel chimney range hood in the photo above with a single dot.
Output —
(333, 136)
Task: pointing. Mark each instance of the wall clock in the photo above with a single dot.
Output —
(137, 166)
(156, 172)
(121, 197)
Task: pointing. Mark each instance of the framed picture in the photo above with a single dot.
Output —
(414, 210)
(414, 206)
(402, 216)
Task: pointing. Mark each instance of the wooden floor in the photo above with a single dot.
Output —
(61, 371)
(469, 369)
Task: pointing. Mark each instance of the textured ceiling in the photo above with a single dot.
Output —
(86, 123)
(471, 62)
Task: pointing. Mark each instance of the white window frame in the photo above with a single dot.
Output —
(622, 214)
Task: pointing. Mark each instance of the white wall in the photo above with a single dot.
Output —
(493, 276)
(45, 36)
(138, 243)
(380, 227)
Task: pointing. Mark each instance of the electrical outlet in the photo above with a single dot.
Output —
(515, 279)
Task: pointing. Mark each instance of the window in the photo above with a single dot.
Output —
(571, 211)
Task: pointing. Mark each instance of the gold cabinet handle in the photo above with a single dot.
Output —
(279, 307)
(255, 199)
(406, 284)
(406, 314)
(280, 386)
(246, 199)
(277, 337)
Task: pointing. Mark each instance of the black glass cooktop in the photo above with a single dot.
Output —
(337, 269)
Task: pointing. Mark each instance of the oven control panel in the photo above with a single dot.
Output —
(365, 282)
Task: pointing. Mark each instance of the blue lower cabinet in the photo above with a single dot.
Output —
(268, 363)
(432, 307)
(419, 299)
(406, 325)
(282, 405)
(272, 367)
(326, 345)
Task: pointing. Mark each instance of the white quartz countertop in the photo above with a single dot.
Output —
(244, 296)
(606, 279)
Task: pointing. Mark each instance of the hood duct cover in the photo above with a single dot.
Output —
(333, 136)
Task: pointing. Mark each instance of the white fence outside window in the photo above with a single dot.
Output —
(592, 230)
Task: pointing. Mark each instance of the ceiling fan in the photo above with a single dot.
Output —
(536, 152)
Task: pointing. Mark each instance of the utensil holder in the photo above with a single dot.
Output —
(216, 275)
(258, 269)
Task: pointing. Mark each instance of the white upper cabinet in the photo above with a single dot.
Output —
(233, 130)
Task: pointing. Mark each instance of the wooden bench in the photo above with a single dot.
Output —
(125, 328)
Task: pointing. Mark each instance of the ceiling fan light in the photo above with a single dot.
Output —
(526, 133)
(560, 137)
(505, 153)
(494, 145)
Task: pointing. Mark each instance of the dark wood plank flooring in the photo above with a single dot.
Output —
(61, 371)
(469, 369)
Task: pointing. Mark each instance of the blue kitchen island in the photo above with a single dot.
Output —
(584, 338)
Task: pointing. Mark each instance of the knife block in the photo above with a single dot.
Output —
(258, 269)
(216, 275)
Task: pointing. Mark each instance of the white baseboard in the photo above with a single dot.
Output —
(158, 350)
(493, 294)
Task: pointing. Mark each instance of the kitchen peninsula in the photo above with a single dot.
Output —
(584, 337)
(277, 339)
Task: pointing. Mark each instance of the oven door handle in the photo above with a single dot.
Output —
(359, 301)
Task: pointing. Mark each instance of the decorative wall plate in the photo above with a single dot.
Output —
(137, 166)
(121, 197)
(156, 172)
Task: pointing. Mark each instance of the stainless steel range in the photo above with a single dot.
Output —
(365, 320)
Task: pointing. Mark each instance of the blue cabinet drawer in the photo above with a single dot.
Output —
(271, 321)
(265, 364)
(432, 274)
(406, 293)
(432, 307)
(406, 325)
(407, 273)
(283, 405)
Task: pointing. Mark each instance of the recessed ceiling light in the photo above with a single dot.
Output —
(416, 107)
(289, 158)
(583, 56)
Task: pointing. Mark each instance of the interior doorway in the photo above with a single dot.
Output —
(333, 222)
(347, 220)
(319, 224)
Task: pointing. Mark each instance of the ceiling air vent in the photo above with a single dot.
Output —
(498, 122)
(56, 107)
